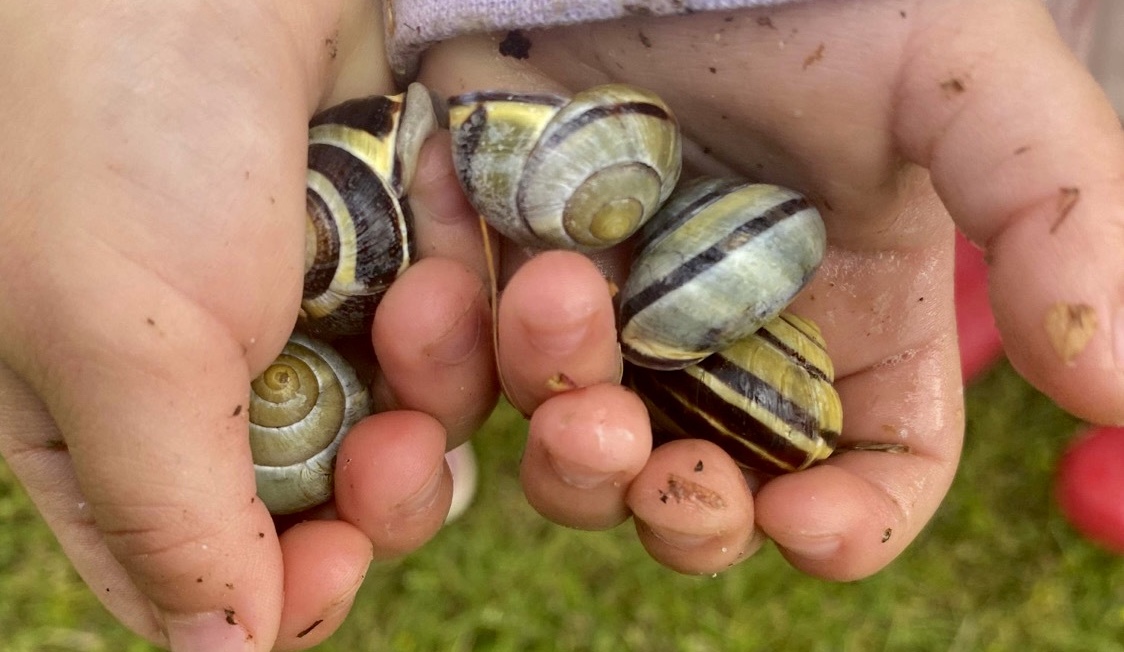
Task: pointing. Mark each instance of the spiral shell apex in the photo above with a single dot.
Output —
(549, 172)
(300, 409)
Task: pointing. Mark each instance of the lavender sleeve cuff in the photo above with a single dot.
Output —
(413, 25)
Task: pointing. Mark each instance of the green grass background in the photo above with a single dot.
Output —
(996, 569)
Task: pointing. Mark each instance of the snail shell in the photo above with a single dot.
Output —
(768, 400)
(721, 258)
(548, 172)
(361, 160)
(300, 409)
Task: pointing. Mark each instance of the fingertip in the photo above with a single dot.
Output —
(693, 509)
(1058, 297)
(584, 448)
(325, 563)
(432, 336)
(392, 482)
(557, 329)
(831, 523)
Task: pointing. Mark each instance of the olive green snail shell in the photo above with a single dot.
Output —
(721, 258)
(300, 409)
(550, 172)
(768, 400)
(361, 160)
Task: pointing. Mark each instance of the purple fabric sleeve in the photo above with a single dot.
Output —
(412, 25)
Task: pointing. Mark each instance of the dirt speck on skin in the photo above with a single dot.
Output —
(953, 86)
(1069, 327)
(766, 21)
(644, 40)
(560, 382)
(815, 57)
(516, 45)
(887, 534)
(230, 616)
(304, 632)
(682, 490)
(1067, 199)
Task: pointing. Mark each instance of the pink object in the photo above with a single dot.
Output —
(980, 345)
(1089, 486)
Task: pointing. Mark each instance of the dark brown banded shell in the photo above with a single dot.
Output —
(768, 400)
(361, 160)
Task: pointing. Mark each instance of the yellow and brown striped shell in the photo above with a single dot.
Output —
(550, 172)
(361, 160)
(300, 409)
(721, 258)
(768, 400)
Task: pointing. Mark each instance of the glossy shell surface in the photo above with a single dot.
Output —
(768, 400)
(300, 409)
(721, 258)
(361, 160)
(550, 172)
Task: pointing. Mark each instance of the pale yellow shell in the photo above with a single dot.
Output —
(721, 258)
(300, 409)
(550, 172)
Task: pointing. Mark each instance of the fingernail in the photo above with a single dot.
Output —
(555, 334)
(815, 548)
(579, 476)
(424, 497)
(207, 632)
(460, 340)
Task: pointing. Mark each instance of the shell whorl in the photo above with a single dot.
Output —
(721, 258)
(549, 172)
(768, 400)
(361, 160)
(301, 406)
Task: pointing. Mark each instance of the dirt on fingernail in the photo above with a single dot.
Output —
(1069, 327)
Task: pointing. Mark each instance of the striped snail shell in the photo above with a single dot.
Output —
(361, 160)
(300, 409)
(721, 258)
(549, 172)
(768, 400)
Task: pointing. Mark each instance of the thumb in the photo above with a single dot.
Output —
(1028, 156)
(149, 404)
(149, 273)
